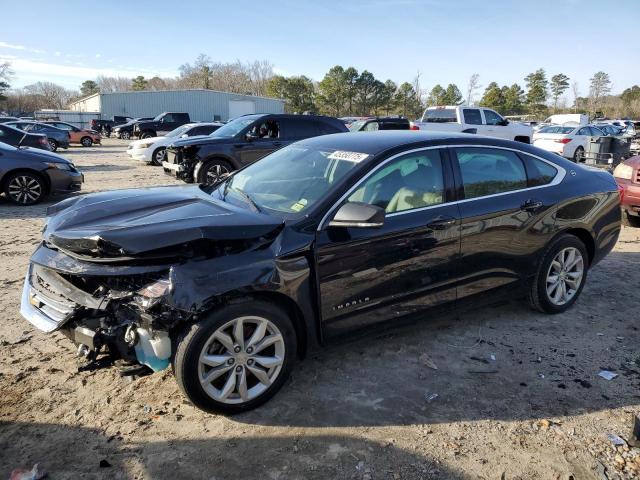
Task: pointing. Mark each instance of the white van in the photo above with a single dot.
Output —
(573, 119)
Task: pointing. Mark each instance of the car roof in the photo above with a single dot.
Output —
(374, 143)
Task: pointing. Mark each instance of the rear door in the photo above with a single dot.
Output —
(367, 275)
(500, 213)
(472, 121)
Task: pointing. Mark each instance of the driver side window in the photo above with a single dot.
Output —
(266, 130)
(412, 181)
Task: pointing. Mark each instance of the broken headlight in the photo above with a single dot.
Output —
(152, 293)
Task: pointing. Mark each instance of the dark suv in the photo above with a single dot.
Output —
(161, 125)
(241, 142)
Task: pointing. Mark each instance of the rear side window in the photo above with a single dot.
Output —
(296, 129)
(472, 116)
(539, 172)
(487, 171)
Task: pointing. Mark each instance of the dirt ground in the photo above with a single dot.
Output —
(368, 408)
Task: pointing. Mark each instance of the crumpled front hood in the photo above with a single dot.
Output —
(131, 222)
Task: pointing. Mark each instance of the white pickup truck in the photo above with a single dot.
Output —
(478, 120)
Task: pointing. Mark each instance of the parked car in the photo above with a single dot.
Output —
(125, 130)
(232, 282)
(8, 119)
(609, 129)
(56, 137)
(161, 125)
(380, 123)
(152, 150)
(17, 138)
(627, 175)
(568, 142)
(100, 125)
(82, 136)
(28, 175)
(482, 121)
(241, 142)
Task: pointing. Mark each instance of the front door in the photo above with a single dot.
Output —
(495, 125)
(265, 137)
(367, 275)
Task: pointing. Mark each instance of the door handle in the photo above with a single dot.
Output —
(441, 223)
(531, 205)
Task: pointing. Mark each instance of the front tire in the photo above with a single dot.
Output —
(560, 276)
(86, 141)
(125, 135)
(146, 135)
(53, 145)
(213, 172)
(158, 156)
(578, 155)
(25, 188)
(236, 358)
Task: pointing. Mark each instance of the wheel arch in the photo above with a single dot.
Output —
(585, 237)
(291, 308)
(220, 156)
(45, 178)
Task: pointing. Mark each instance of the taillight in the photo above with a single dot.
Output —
(563, 140)
(415, 127)
(621, 192)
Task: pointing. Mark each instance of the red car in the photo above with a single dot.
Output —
(627, 175)
(83, 136)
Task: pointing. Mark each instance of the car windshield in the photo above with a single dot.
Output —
(234, 127)
(176, 132)
(290, 180)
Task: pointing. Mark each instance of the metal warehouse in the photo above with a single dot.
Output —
(202, 105)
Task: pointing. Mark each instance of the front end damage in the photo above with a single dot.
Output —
(122, 316)
(121, 277)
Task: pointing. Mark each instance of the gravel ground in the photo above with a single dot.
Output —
(516, 394)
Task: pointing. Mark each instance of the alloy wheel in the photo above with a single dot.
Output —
(158, 156)
(565, 275)
(215, 173)
(24, 189)
(241, 360)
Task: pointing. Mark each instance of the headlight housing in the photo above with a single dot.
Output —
(59, 166)
(145, 145)
(152, 293)
(623, 171)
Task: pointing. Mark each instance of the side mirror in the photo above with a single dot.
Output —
(251, 137)
(504, 122)
(358, 215)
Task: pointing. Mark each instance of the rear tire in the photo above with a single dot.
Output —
(213, 171)
(578, 155)
(25, 188)
(158, 156)
(630, 220)
(221, 368)
(86, 141)
(53, 145)
(561, 275)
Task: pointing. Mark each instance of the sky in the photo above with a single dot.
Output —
(446, 41)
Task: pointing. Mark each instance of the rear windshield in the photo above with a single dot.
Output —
(440, 115)
(562, 130)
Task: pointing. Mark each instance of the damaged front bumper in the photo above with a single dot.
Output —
(112, 322)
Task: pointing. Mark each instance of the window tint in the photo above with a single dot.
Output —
(266, 130)
(326, 129)
(472, 116)
(486, 171)
(596, 132)
(300, 128)
(168, 118)
(492, 118)
(539, 172)
(412, 181)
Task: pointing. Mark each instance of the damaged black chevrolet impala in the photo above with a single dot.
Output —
(230, 283)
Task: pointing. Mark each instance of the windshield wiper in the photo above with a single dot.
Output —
(246, 196)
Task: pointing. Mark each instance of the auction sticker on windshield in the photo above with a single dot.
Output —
(348, 156)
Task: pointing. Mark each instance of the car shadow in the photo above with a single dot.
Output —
(502, 362)
(77, 452)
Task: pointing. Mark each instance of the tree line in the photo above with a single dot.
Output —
(343, 91)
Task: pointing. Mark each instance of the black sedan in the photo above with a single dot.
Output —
(231, 282)
(17, 138)
(28, 175)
